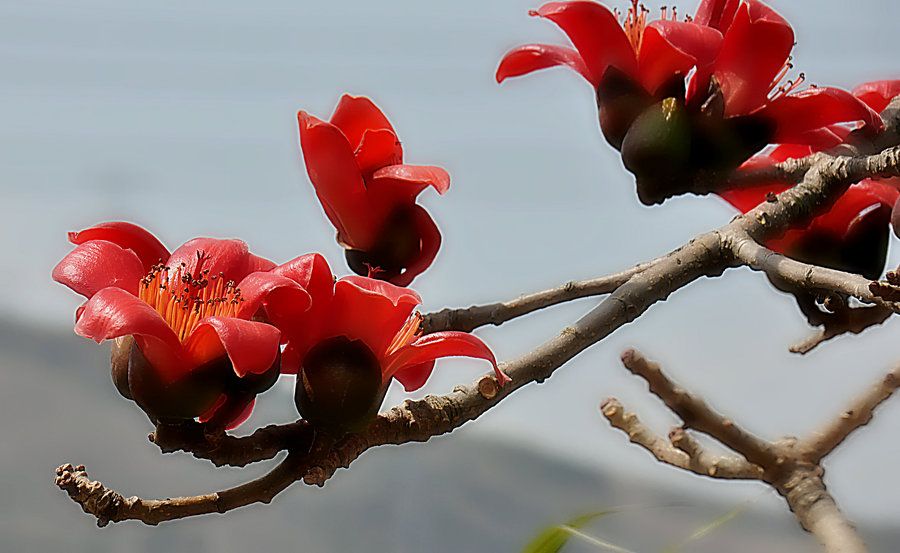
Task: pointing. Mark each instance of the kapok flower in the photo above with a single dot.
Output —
(185, 342)
(852, 235)
(631, 63)
(358, 335)
(675, 141)
(355, 163)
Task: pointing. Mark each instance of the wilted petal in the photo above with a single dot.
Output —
(532, 57)
(147, 247)
(596, 33)
(98, 264)
(442, 344)
(251, 346)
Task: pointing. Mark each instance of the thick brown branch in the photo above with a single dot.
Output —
(222, 449)
(469, 318)
(817, 512)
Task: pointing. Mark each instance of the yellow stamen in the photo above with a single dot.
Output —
(184, 299)
(411, 330)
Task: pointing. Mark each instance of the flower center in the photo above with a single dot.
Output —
(411, 330)
(636, 21)
(184, 299)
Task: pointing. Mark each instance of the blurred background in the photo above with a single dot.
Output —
(181, 117)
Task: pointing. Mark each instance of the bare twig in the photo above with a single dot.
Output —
(856, 415)
(680, 451)
(469, 318)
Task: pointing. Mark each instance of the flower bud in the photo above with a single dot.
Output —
(339, 386)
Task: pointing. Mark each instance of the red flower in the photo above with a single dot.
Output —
(853, 234)
(629, 63)
(673, 140)
(358, 335)
(355, 164)
(196, 350)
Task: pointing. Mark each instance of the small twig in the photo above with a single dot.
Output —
(677, 452)
(696, 414)
(856, 415)
(852, 320)
(469, 318)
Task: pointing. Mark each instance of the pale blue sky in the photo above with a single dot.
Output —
(181, 116)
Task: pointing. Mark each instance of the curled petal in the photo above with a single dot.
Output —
(337, 179)
(429, 244)
(251, 346)
(796, 114)
(596, 33)
(113, 312)
(256, 263)
(98, 264)
(877, 94)
(281, 296)
(672, 47)
(441, 344)
(746, 78)
(532, 57)
(147, 247)
(369, 310)
(312, 272)
(228, 257)
(398, 185)
(356, 115)
(414, 377)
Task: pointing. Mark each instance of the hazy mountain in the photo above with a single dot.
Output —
(457, 493)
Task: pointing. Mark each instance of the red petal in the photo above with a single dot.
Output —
(596, 33)
(369, 310)
(356, 115)
(338, 182)
(532, 57)
(796, 114)
(877, 94)
(379, 147)
(113, 312)
(429, 244)
(672, 47)
(281, 296)
(256, 263)
(754, 50)
(251, 346)
(312, 272)
(236, 407)
(98, 264)
(442, 344)
(127, 235)
(716, 13)
(398, 185)
(414, 377)
(301, 331)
